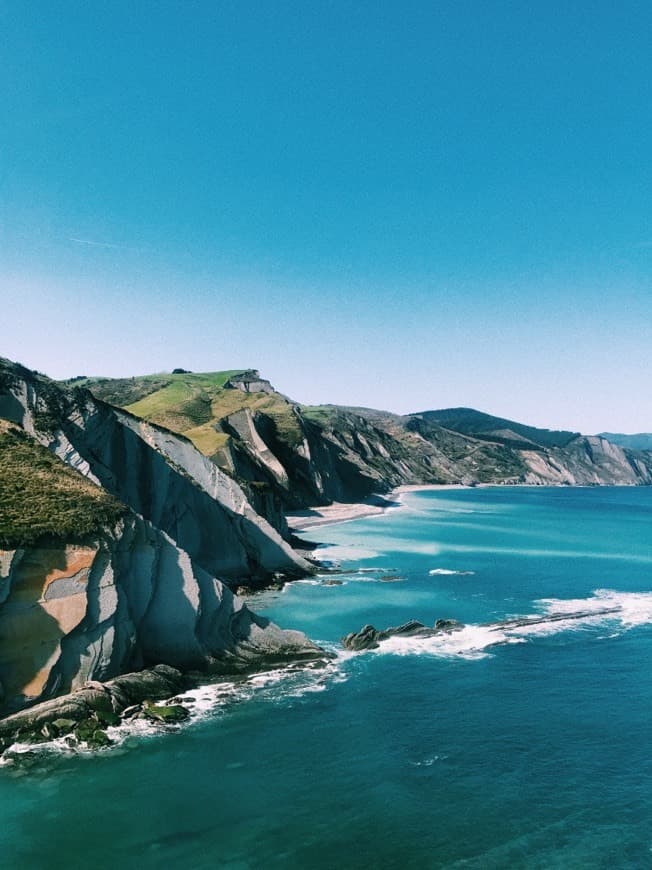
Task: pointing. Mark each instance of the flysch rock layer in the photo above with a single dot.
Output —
(160, 476)
(154, 588)
(128, 599)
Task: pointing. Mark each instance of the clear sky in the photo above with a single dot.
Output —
(405, 205)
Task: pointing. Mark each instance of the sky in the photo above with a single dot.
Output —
(400, 205)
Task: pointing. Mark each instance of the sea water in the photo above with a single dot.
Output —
(441, 752)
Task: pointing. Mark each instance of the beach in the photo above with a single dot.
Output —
(340, 512)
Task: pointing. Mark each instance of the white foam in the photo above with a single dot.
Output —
(449, 571)
(470, 642)
(209, 700)
(604, 607)
(634, 608)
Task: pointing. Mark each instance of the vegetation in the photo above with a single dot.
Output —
(41, 496)
(194, 404)
(486, 427)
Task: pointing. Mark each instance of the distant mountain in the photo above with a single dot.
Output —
(489, 428)
(640, 441)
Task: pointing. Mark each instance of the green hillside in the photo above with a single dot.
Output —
(41, 496)
(192, 404)
(486, 427)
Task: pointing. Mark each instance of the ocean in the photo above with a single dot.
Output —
(442, 752)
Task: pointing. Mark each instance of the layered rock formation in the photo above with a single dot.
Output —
(149, 587)
(130, 537)
(288, 456)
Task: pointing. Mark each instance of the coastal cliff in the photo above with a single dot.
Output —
(121, 600)
(120, 545)
(288, 456)
(132, 509)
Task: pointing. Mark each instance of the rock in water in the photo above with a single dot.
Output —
(370, 638)
(366, 638)
(167, 713)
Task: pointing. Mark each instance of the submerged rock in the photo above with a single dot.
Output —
(165, 712)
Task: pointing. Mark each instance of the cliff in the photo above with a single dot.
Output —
(639, 441)
(121, 542)
(119, 600)
(288, 456)
(130, 509)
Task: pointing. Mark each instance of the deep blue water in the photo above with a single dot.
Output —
(535, 754)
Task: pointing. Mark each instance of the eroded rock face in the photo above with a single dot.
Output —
(588, 461)
(126, 599)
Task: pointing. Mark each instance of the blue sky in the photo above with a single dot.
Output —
(404, 205)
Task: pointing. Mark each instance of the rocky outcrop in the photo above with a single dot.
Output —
(249, 381)
(83, 715)
(370, 638)
(126, 599)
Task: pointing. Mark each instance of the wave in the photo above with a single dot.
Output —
(204, 702)
(450, 571)
(620, 611)
(631, 608)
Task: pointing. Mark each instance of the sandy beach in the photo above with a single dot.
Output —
(340, 512)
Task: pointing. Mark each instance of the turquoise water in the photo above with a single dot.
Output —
(444, 753)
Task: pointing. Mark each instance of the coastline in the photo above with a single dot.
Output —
(341, 512)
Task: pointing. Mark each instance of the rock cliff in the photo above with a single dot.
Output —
(122, 599)
(287, 456)
(120, 542)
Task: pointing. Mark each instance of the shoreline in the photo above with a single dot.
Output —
(342, 512)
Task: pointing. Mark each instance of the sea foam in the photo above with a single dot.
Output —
(605, 607)
(207, 701)
(450, 571)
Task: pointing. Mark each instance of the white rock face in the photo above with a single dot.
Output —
(123, 600)
(588, 460)
(153, 589)
(243, 423)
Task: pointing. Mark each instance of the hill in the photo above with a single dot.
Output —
(42, 497)
(640, 441)
(489, 428)
(288, 456)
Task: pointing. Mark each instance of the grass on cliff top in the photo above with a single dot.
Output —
(190, 404)
(41, 496)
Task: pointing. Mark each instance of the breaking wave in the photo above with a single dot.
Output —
(207, 701)
(450, 571)
(619, 611)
